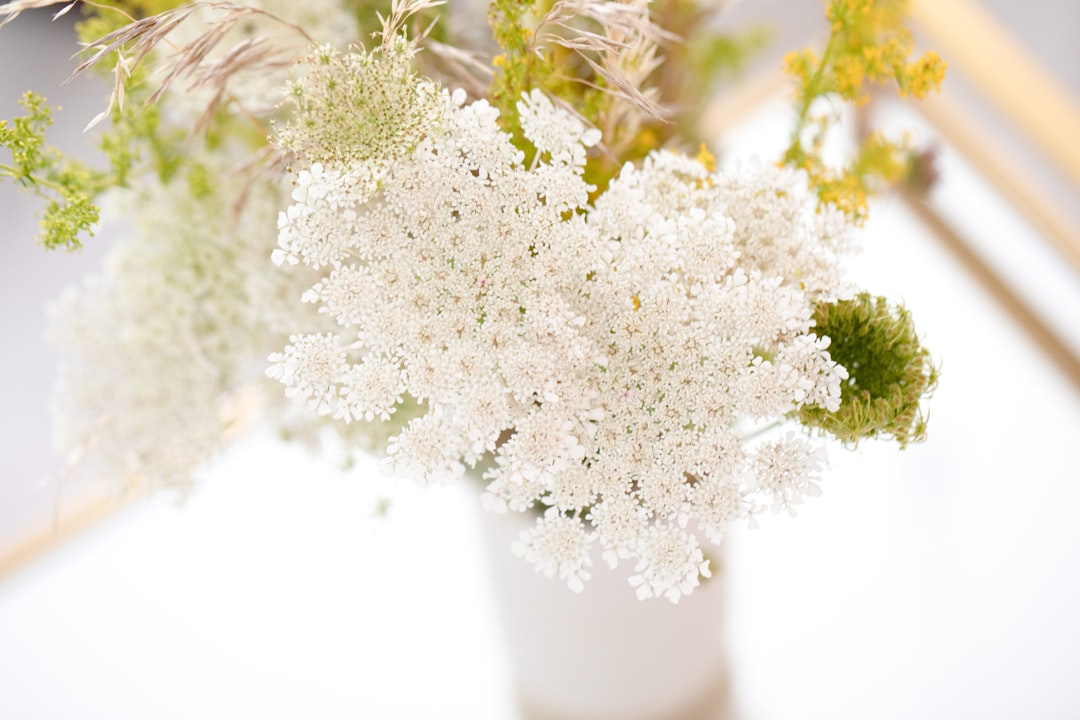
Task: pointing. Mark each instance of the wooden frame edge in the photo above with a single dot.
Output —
(957, 129)
(37, 543)
(988, 55)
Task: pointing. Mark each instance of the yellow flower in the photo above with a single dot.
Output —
(868, 42)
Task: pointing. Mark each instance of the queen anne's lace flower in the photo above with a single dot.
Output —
(559, 546)
(162, 350)
(670, 563)
(786, 471)
(555, 132)
(427, 449)
(311, 368)
(606, 359)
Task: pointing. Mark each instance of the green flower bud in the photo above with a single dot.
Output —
(889, 372)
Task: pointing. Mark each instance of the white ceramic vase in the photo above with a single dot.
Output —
(602, 654)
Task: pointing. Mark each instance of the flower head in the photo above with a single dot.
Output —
(602, 356)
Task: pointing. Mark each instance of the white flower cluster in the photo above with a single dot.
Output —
(608, 361)
(163, 350)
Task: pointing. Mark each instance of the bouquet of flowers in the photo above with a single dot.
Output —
(513, 260)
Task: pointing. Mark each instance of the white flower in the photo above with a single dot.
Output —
(778, 233)
(311, 367)
(670, 564)
(320, 227)
(602, 358)
(557, 545)
(432, 275)
(426, 449)
(787, 471)
(544, 444)
(555, 131)
(161, 348)
(618, 519)
(719, 502)
(371, 388)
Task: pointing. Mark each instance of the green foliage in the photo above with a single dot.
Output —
(134, 142)
(675, 72)
(201, 181)
(868, 43)
(889, 370)
(66, 186)
(135, 137)
(687, 71)
(517, 68)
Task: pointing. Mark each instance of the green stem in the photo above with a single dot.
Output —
(18, 176)
(761, 430)
(811, 93)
